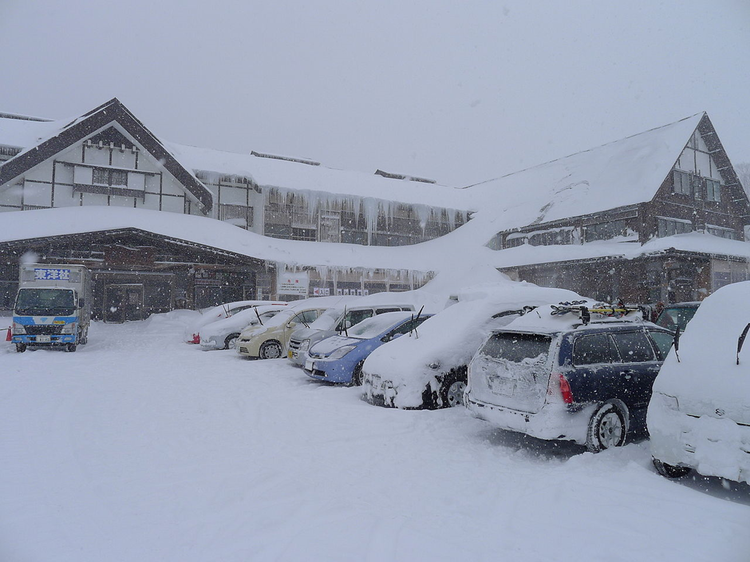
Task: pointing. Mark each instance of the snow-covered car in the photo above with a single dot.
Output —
(555, 375)
(339, 359)
(270, 340)
(699, 414)
(216, 313)
(335, 321)
(430, 371)
(223, 334)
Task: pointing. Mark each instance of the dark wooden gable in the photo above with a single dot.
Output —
(95, 120)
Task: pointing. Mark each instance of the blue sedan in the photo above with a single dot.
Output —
(339, 359)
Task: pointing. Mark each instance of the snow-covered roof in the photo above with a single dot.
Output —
(23, 225)
(286, 174)
(618, 174)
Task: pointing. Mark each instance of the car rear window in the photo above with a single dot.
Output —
(516, 347)
(634, 347)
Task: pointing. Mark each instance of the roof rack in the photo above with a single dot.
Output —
(599, 311)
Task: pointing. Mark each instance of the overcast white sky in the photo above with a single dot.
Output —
(455, 91)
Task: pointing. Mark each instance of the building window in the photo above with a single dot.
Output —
(109, 177)
(309, 234)
(238, 215)
(606, 230)
(670, 227)
(682, 183)
(713, 190)
(722, 232)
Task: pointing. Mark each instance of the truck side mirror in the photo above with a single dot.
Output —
(81, 303)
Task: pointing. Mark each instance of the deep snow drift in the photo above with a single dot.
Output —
(139, 447)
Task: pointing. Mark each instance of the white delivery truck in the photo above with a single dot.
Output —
(53, 306)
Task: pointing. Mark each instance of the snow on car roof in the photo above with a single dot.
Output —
(707, 373)
(376, 325)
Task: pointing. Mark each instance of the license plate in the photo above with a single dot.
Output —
(309, 365)
(43, 339)
(289, 355)
(506, 387)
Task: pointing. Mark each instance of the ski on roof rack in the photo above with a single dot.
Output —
(601, 309)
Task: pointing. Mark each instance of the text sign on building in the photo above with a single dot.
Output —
(293, 284)
(51, 274)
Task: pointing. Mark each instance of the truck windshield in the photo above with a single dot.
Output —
(45, 302)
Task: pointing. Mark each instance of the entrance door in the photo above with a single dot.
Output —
(123, 302)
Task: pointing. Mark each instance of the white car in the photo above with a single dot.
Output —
(223, 334)
(429, 371)
(699, 414)
(216, 313)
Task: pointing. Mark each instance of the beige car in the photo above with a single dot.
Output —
(270, 340)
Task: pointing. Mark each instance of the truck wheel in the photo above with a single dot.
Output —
(83, 336)
(20, 347)
(71, 347)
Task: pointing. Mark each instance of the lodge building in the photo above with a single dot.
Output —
(659, 216)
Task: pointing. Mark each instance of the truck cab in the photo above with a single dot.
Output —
(52, 307)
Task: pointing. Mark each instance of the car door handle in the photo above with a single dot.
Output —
(628, 374)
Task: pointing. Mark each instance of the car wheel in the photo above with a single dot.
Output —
(231, 341)
(607, 428)
(270, 349)
(357, 377)
(668, 470)
(20, 347)
(452, 389)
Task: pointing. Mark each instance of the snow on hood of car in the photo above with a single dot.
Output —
(328, 345)
(237, 322)
(707, 377)
(450, 338)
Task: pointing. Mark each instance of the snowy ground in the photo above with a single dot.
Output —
(141, 448)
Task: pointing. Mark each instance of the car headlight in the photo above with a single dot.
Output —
(341, 351)
(18, 328)
(305, 345)
(669, 402)
(69, 328)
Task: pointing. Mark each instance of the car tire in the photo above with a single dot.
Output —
(231, 341)
(357, 376)
(669, 470)
(20, 347)
(270, 349)
(452, 390)
(607, 428)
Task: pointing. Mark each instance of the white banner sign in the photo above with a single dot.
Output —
(293, 284)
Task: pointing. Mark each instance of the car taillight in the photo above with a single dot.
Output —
(567, 395)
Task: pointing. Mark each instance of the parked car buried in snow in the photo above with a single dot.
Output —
(556, 377)
(270, 339)
(216, 313)
(339, 359)
(223, 334)
(430, 371)
(699, 415)
(335, 321)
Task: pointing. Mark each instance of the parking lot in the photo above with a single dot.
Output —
(141, 447)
